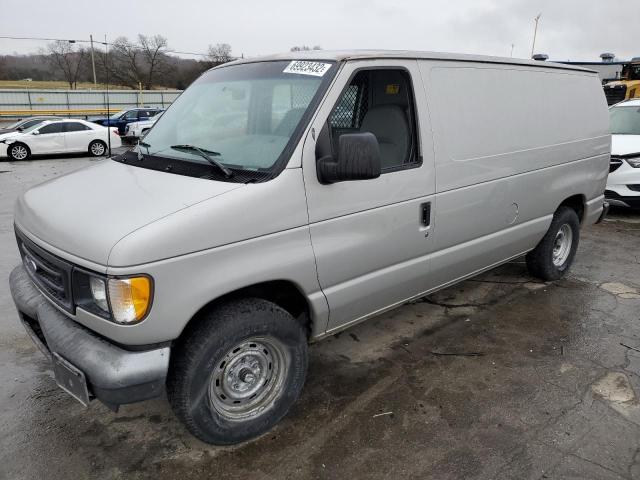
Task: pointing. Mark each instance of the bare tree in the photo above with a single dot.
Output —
(125, 63)
(220, 53)
(69, 60)
(305, 48)
(153, 50)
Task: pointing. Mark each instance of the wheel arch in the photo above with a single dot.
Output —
(284, 293)
(577, 203)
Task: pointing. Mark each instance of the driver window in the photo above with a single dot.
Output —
(133, 115)
(379, 102)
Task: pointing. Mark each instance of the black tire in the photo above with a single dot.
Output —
(92, 147)
(540, 260)
(201, 353)
(12, 150)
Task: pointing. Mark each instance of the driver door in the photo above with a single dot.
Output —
(372, 238)
(49, 139)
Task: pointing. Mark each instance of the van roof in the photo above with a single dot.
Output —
(342, 55)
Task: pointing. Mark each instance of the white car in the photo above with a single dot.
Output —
(623, 185)
(139, 129)
(59, 136)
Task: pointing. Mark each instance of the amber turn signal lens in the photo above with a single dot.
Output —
(130, 298)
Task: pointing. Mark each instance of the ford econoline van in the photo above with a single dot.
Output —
(280, 200)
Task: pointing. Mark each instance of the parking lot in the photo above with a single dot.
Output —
(498, 377)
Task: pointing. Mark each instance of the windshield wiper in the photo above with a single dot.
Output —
(206, 154)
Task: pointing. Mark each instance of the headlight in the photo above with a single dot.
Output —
(99, 293)
(130, 298)
(124, 300)
(633, 161)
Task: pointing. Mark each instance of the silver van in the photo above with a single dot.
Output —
(282, 199)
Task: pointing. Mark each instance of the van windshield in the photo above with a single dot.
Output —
(246, 114)
(625, 120)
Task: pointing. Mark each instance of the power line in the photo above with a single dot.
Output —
(77, 40)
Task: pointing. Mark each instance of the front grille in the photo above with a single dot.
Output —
(615, 93)
(614, 164)
(50, 273)
(634, 188)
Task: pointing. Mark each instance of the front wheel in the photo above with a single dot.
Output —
(97, 148)
(553, 256)
(18, 151)
(237, 372)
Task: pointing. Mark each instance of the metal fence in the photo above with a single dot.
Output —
(17, 103)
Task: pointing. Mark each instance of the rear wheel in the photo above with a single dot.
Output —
(18, 151)
(237, 372)
(553, 256)
(97, 148)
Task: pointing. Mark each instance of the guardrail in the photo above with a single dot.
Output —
(18, 103)
(85, 112)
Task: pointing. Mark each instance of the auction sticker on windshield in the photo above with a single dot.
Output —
(317, 69)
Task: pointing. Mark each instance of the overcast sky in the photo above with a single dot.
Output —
(569, 29)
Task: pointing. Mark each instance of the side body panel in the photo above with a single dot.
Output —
(511, 143)
(78, 141)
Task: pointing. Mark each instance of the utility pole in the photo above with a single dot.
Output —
(535, 32)
(512, 45)
(106, 61)
(93, 63)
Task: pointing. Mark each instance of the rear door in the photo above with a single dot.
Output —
(78, 136)
(49, 139)
(372, 238)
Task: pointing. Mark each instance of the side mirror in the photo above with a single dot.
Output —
(358, 159)
(35, 133)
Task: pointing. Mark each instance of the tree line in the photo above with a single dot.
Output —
(146, 63)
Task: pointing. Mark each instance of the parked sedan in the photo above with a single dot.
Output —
(25, 123)
(59, 136)
(623, 184)
(124, 117)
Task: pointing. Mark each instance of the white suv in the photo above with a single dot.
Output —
(623, 185)
(139, 129)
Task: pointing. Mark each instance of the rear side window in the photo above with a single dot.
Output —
(75, 127)
(52, 128)
(380, 102)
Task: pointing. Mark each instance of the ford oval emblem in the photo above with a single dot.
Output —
(30, 264)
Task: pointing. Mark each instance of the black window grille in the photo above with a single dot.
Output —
(352, 105)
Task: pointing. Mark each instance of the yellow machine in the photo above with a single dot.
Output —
(628, 86)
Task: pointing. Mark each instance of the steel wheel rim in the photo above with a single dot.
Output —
(562, 245)
(97, 148)
(19, 152)
(248, 380)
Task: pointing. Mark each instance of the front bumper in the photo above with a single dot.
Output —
(114, 375)
(617, 200)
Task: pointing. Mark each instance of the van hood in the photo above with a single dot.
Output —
(86, 212)
(625, 144)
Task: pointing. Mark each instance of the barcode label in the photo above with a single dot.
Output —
(317, 69)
